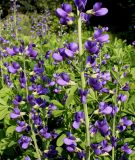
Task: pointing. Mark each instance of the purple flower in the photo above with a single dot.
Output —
(8, 81)
(91, 61)
(63, 79)
(70, 142)
(85, 17)
(14, 67)
(81, 155)
(30, 52)
(65, 14)
(114, 141)
(51, 153)
(21, 126)
(95, 83)
(126, 87)
(124, 123)
(101, 148)
(27, 158)
(101, 126)
(38, 89)
(73, 46)
(22, 80)
(12, 51)
(47, 55)
(38, 68)
(44, 132)
(122, 97)
(104, 108)
(98, 11)
(126, 149)
(16, 113)
(51, 108)
(24, 142)
(83, 95)
(79, 117)
(57, 57)
(17, 100)
(40, 102)
(105, 76)
(80, 4)
(36, 118)
(99, 36)
(92, 47)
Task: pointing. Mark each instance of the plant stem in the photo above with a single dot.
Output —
(24, 67)
(35, 142)
(83, 85)
(15, 18)
(80, 33)
(2, 81)
(30, 123)
(114, 124)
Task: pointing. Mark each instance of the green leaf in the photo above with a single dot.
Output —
(10, 130)
(59, 149)
(57, 113)
(70, 99)
(60, 140)
(57, 103)
(127, 140)
(2, 102)
(3, 113)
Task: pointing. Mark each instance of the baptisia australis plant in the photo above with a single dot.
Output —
(71, 113)
(95, 76)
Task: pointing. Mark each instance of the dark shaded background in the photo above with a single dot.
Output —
(120, 19)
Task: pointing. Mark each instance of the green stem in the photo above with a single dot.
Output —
(33, 133)
(2, 81)
(114, 124)
(15, 18)
(80, 33)
(35, 142)
(83, 85)
(24, 67)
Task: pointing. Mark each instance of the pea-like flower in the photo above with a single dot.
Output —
(51, 153)
(91, 61)
(92, 47)
(44, 132)
(79, 117)
(18, 99)
(12, 51)
(67, 52)
(101, 126)
(122, 97)
(83, 95)
(22, 80)
(80, 4)
(21, 126)
(30, 52)
(70, 142)
(101, 148)
(65, 14)
(126, 149)
(13, 68)
(38, 68)
(95, 83)
(124, 123)
(99, 35)
(15, 113)
(63, 79)
(24, 142)
(27, 158)
(98, 10)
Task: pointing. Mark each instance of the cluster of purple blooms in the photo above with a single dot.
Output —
(38, 86)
